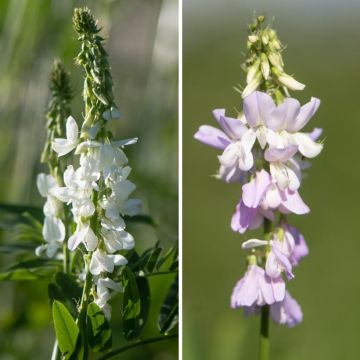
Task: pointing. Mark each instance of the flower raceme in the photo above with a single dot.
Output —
(264, 151)
(102, 172)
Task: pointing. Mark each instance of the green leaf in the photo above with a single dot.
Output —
(29, 228)
(19, 209)
(144, 292)
(66, 290)
(69, 286)
(99, 332)
(17, 248)
(27, 275)
(153, 258)
(145, 219)
(171, 253)
(175, 264)
(168, 317)
(131, 305)
(32, 269)
(66, 330)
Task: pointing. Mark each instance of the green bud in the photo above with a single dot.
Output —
(261, 19)
(253, 39)
(251, 259)
(84, 22)
(265, 66)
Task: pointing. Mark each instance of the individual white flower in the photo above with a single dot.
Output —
(54, 234)
(52, 206)
(53, 229)
(102, 262)
(105, 156)
(112, 113)
(50, 249)
(103, 294)
(117, 240)
(78, 190)
(63, 146)
(83, 234)
(118, 202)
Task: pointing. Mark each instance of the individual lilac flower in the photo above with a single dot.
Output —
(262, 191)
(280, 126)
(287, 311)
(276, 261)
(284, 169)
(297, 244)
(256, 288)
(260, 197)
(246, 218)
(235, 142)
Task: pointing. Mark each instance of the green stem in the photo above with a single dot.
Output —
(264, 346)
(161, 273)
(81, 320)
(55, 353)
(65, 261)
(137, 344)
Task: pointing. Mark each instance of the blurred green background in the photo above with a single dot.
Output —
(323, 51)
(142, 44)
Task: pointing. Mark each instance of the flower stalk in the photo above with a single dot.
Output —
(94, 187)
(264, 151)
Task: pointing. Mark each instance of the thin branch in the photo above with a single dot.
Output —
(137, 344)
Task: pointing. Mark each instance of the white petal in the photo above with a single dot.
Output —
(127, 240)
(90, 239)
(63, 146)
(51, 249)
(248, 140)
(272, 268)
(75, 239)
(53, 229)
(272, 198)
(119, 259)
(95, 266)
(249, 244)
(125, 142)
(72, 130)
(44, 183)
(290, 82)
(62, 193)
(132, 207)
(279, 172)
(261, 134)
(307, 146)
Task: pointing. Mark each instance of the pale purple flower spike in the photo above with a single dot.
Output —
(264, 151)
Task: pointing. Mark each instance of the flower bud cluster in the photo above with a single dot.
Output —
(265, 66)
(54, 230)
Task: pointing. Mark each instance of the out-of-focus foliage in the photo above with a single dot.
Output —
(323, 51)
(142, 44)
